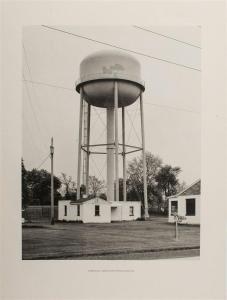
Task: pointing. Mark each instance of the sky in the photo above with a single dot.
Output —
(172, 98)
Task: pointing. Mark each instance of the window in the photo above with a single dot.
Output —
(174, 207)
(78, 210)
(65, 206)
(190, 207)
(131, 211)
(97, 210)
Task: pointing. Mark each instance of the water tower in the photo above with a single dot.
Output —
(111, 80)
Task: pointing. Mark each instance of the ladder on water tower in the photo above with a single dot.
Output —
(85, 117)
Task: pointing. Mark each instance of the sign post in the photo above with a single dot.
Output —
(176, 228)
(178, 219)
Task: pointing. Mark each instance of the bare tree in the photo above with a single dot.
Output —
(69, 185)
(95, 185)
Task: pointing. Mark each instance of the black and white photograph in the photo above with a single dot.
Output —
(113, 150)
(111, 142)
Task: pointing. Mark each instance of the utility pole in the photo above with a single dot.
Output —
(52, 180)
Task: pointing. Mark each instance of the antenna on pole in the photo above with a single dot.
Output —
(52, 180)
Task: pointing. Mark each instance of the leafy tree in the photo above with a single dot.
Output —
(167, 180)
(135, 177)
(162, 181)
(25, 190)
(39, 184)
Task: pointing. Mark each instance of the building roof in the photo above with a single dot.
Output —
(82, 200)
(193, 189)
(113, 203)
(79, 201)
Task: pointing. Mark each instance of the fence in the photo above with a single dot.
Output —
(40, 212)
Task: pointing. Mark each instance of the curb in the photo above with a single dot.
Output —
(63, 256)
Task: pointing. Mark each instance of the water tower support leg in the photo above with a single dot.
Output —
(79, 145)
(123, 155)
(116, 141)
(110, 153)
(144, 158)
(88, 148)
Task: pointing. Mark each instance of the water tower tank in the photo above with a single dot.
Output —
(98, 72)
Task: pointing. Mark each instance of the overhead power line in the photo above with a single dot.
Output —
(49, 85)
(121, 48)
(33, 111)
(166, 36)
(30, 74)
(31, 139)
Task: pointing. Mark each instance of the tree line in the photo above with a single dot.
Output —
(36, 187)
(162, 182)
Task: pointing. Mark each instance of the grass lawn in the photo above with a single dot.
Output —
(123, 240)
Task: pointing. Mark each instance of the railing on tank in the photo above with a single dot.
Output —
(106, 76)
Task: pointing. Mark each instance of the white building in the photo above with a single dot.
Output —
(186, 204)
(97, 210)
